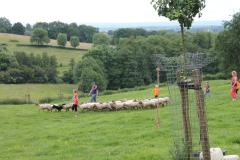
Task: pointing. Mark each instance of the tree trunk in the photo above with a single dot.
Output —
(183, 47)
(201, 114)
(183, 39)
(185, 115)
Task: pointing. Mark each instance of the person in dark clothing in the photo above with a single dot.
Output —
(93, 92)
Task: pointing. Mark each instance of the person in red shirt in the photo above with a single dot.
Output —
(75, 101)
(233, 90)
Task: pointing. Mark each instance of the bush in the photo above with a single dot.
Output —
(74, 40)
(88, 76)
(216, 76)
(13, 40)
(178, 152)
(62, 39)
(39, 36)
(18, 28)
(101, 39)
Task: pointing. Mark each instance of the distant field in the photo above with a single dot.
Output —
(36, 91)
(27, 133)
(39, 91)
(63, 55)
(4, 37)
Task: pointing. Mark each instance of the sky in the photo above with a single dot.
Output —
(102, 11)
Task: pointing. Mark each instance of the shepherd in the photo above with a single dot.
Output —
(94, 92)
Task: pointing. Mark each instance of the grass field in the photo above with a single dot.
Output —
(41, 91)
(27, 133)
(63, 55)
(36, 91)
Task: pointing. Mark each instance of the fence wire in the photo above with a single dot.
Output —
(184, 78)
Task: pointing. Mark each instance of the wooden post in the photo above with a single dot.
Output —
(197, 78)
(158, 75)
(28, 99)
(185, 114)
(158, 82)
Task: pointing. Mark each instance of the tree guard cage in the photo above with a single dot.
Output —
(184, 78)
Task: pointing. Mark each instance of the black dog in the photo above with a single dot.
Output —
(57, 107)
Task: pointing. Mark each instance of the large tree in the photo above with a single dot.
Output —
(39, 36)
(101, 39)
(86, 33)
(5, 25)
(183, 11)
(42, 25)
(227, 45)
(56, 27)
(28, 29)
(72, 30)
(89, 70)
(18, 28)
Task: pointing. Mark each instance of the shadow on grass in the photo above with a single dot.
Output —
(50, 46)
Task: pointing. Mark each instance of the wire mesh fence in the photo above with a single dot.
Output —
(184, 78)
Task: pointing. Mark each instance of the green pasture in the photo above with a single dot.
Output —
(36, 91)
(63, 55)
(29, 134)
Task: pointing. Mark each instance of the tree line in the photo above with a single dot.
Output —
(19, 67)
(83, 32)
(129, 63)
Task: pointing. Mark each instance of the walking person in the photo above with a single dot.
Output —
(156, 91)
(207, 89)
(233, 90)
(93, 92)
(75, 101)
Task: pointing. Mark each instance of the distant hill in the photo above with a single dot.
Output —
(214, 26)
(64, 55)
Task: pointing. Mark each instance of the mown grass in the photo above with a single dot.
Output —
(27, 133)
(63, 55)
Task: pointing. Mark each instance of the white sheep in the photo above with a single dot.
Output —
(216, 154)
(166, 100)
(117, 105)
(148, 103)
(45, 106)
(132, 104)
(102, 106)
(114, 105)
(87, 105)
(68, 106)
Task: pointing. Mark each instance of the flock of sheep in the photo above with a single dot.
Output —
(114, 105)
